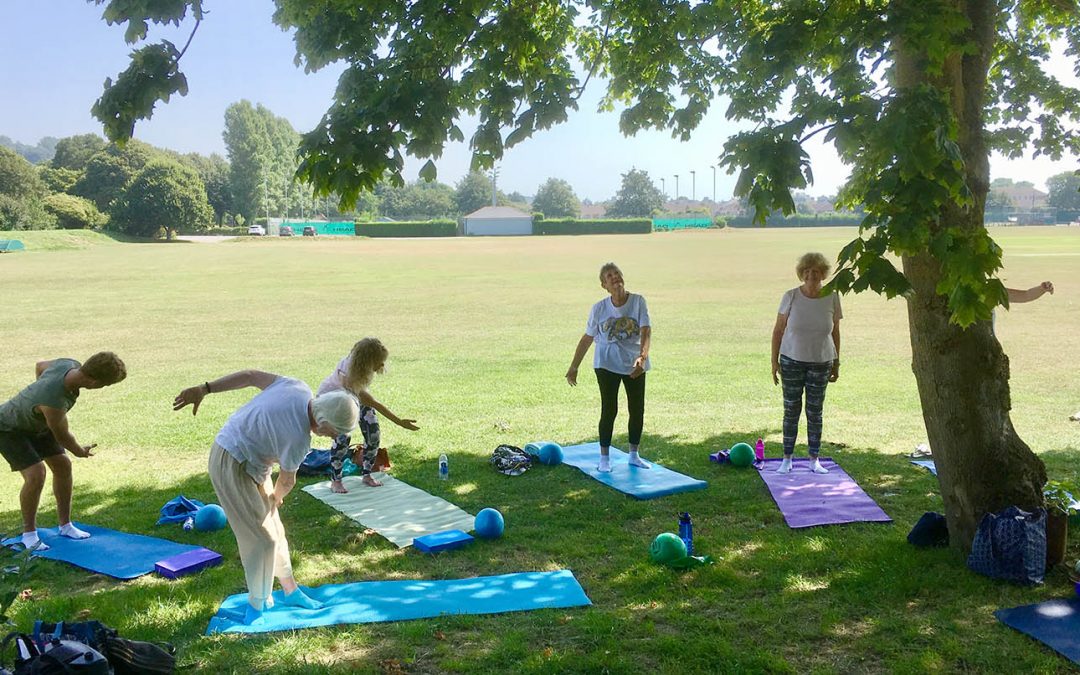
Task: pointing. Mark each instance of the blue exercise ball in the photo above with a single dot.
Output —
(210, 517)
(489, 524)
(550, 454)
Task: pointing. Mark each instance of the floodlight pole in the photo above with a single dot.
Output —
(693, 185)
(676, 187)
(713, 167)
(663, 188)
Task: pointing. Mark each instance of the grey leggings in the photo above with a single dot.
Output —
(797, 376)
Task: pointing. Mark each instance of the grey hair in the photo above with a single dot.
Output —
(607, 267)
(339, 408)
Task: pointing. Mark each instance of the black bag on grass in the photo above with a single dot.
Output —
(125, 656)
(55, 657)
(131, 657)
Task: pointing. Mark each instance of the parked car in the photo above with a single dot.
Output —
(285, 231)
(309, 231)
(256, 230)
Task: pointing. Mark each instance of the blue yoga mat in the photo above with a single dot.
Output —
(639, 483)
(117, 554)
(927, 464)
(379, 601)
(1056, 623)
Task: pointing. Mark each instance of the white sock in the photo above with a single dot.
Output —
(637, 461)
(605, 464)
(71, 532)
(31, 541)
(785, 466)
(816, 467)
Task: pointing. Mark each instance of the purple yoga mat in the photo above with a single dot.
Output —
(807, 499)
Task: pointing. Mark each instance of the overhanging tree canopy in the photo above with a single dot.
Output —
(912, 93)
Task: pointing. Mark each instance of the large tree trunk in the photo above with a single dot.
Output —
(963, 374)
(963, 381)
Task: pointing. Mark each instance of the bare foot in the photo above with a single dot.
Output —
(338, 487)
(370, 481)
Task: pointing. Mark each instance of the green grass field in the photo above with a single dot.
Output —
(480, 333)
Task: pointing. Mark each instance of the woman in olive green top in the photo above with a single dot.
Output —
(34, 434)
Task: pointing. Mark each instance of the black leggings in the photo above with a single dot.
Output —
(609, 404)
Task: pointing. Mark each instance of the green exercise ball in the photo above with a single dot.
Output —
(667, 548)
(741, 454)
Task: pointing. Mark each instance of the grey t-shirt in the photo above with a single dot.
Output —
(21, 414)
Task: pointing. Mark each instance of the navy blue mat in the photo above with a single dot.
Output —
(117, 554)
(1055, 623)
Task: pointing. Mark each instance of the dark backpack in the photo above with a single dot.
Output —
(55, 657)
(125, 656)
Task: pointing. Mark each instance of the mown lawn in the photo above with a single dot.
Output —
(480, 333)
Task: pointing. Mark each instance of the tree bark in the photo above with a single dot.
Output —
(962, 374)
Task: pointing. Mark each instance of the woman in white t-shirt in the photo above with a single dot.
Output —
(354, 374)
(806, 354)
(275, 427)
(619, 326)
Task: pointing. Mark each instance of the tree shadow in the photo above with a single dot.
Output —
(847, 589)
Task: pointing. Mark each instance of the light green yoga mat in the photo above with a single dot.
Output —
(397, 510)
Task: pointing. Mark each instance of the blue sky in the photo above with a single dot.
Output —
(57, 54)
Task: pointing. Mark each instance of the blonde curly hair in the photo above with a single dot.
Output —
(366, 358)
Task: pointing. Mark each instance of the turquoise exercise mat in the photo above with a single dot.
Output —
(118, 554)
(1055, 623)
(636, 482)
(379, 601)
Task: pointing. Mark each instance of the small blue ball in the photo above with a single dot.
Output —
(550, 454)
(210, 517)
(489, 524)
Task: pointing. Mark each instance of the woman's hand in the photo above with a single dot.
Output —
(408, 424)
(192, 396)
(776, 372)
(571, 376)
(835, 374)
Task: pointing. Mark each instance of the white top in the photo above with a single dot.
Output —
(616, 331)
(271, 428)
(336, 380)
(808, 336)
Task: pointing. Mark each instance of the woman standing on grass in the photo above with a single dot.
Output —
(620, 327)
(806, 354)
(275, 427)
(354, 374)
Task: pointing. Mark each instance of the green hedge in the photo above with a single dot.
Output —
(578, 226)
(429, 228)
(800, 220)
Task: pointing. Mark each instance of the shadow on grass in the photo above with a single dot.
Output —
(858, 593)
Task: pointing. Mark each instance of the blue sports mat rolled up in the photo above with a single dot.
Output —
(378, 601)
(118, 554)
(640, 483)
(1055, 623)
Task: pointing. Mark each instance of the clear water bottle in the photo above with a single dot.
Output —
(444, 467)
(686, 532)
(189, 524)
(759, 450)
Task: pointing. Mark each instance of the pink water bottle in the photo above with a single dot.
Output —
(759, 450)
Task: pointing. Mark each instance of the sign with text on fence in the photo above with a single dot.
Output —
(681, 223)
